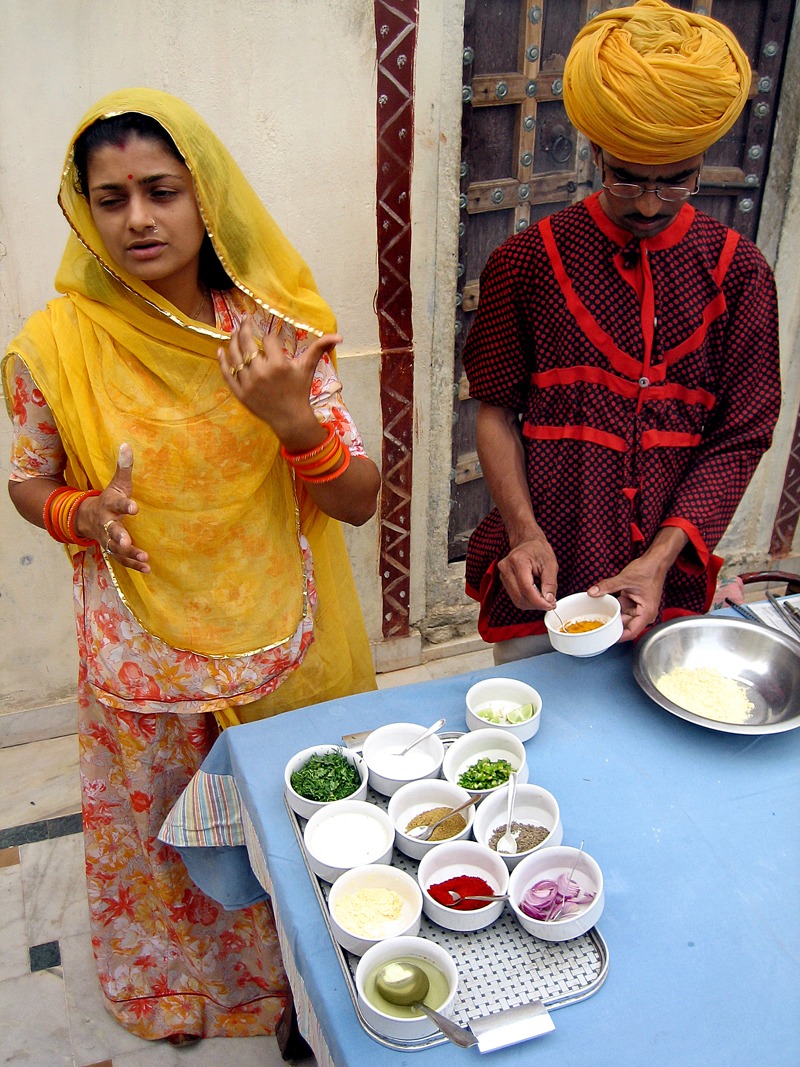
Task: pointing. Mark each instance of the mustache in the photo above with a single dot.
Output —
(635, 216)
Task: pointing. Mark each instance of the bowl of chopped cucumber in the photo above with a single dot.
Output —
(321, 775)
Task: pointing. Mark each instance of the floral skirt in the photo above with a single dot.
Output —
(170, 959)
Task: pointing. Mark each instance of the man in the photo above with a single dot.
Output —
(625, 350)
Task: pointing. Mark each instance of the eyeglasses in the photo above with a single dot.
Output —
(672, 194)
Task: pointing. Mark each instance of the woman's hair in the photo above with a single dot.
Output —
(115, 131)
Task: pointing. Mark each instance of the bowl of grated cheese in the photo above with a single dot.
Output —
(725, 674)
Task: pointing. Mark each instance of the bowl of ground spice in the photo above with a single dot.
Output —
(422, 804)
(371, 903)
(466, 868)
(535, 821)
(584, 625)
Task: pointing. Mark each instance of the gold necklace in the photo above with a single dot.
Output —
(199, 310)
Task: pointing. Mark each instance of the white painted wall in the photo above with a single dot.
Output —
(290, 87)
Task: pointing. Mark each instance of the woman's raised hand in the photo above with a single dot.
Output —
(273, 385)
(101, 517)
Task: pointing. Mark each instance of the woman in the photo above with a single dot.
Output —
(178, 425)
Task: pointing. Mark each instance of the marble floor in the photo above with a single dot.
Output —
(51, 1011)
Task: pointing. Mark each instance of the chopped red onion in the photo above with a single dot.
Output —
(548, 899)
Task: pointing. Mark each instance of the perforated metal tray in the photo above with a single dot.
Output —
(499, 967)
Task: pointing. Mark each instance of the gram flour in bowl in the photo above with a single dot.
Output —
(704, 691)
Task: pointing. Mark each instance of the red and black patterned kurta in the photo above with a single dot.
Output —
(647, 380)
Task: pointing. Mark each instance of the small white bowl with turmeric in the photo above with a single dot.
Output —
(583, 625)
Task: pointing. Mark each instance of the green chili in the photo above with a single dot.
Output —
(486, 774)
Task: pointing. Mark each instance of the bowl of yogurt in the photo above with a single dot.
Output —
(347, 834)
(388, 769)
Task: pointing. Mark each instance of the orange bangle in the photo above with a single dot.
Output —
(75, 538)
(331, 460)
(329, 477)
(299, 458)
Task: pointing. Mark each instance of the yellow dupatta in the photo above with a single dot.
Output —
(116, 362)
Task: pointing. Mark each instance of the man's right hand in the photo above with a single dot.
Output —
(529, 573)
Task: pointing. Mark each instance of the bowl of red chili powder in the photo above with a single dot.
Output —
(467, 868)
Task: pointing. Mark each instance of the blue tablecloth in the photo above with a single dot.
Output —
(697, 835)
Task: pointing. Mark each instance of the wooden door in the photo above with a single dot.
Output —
(521, 160)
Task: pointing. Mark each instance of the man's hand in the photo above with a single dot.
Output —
(529, 572)
(640, 584)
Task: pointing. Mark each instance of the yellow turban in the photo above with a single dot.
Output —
(652, 84)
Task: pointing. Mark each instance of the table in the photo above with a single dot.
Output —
(697, 835)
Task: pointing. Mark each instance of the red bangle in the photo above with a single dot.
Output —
(49, 525)
(303, 457)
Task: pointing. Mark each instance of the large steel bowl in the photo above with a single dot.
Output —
(765, 660)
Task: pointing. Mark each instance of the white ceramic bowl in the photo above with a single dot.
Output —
(412, 948)
(346, 834)
(454, 859)
(550, 863)
(583, 606)
(416, 797)
(533, 805)
(304, 807)
(353, 935)
(494, 743)
(387, 770)
(504, 694)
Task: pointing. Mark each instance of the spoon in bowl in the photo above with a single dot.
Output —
(457, 898)
(408, 985)
(431, 730)
(507, 844)
(423, 833)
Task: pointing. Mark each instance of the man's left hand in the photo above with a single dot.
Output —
(639, 587)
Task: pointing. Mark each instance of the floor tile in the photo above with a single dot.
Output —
(54, 889)
(216, 1052)
(43, 957)
(36, 724)
(38, 1037)
(14, 962)
(9, 857)
(40, 781)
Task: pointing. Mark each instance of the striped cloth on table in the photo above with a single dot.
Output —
(207, 813)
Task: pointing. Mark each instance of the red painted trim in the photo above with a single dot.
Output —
(485, 597)
(575, 433)
(668, 439)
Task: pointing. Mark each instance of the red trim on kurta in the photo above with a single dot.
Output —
(669, 439)
(674, 391)
(668, 238)
(594, 375)
(726, 256)
(698, 544)
(575, 433)
(602, 340)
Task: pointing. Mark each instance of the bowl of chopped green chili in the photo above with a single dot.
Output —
(321, 775)
(483, 760)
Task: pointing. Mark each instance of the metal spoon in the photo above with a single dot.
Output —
(423, 833)
(407, 984)
(507, 844)
(457, 898)
(431, 730)
(563, 904)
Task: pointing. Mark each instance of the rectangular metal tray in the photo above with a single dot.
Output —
(499, 967)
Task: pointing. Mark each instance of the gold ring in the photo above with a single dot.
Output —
(108, 545)
(249, 358)
(106, 526)
(235, 370)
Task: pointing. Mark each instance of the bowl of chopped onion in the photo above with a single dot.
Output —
(423, 803)
(371, 903)
(556, 893)
(584, 625)
(483, 760)
(535, 821)
(506, 703)
(321, 775)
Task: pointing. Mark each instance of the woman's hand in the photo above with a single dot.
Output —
(275, 386)
(100, 518)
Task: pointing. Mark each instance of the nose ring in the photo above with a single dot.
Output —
(153, 227)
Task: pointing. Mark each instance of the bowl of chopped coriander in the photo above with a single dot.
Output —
(482, 761)
(321, 775)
